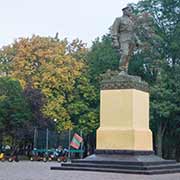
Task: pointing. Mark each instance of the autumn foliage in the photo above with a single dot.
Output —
(48, 64)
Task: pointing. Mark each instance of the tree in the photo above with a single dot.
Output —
(14, 110)
(51, 66)
(100, 58)
(82, 107)
(36, 101)
(159, 65)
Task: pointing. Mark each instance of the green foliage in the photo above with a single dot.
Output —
(101, 57)
(159, 65)
(14, 110)
(163, 104)
(82, 107)
(56, 82)
(49, 65)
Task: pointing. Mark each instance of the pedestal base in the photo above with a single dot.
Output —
(123, 161)
(120, 139)
(124, 120)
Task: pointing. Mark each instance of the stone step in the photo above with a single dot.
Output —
(129, 171)
(120, 166)
(139, 163)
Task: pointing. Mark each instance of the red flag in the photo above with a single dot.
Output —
(76, 141)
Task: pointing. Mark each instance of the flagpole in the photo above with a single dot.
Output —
(81, 147)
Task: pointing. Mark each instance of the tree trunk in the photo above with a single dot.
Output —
(159, 141)
(159, 137)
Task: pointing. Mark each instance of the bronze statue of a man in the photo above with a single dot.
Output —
(124, 37)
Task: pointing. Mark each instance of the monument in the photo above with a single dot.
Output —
(124, 140)
(124, 108)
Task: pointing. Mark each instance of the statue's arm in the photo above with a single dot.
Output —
(115, 27)
(115, 33)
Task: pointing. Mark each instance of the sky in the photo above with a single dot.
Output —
(83, 19)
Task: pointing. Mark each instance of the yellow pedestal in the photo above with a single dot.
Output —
(124, 120)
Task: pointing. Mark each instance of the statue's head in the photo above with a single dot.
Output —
(128, 10)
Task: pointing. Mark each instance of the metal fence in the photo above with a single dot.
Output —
(47, 139)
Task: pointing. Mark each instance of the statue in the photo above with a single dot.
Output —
(124, 37)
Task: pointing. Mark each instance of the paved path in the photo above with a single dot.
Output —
(26, 170)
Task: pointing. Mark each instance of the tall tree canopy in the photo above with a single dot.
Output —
(51, 65)
(159, 65)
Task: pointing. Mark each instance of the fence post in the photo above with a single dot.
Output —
(35, 138)
(47, 139)
(81, 146)
(69, 148)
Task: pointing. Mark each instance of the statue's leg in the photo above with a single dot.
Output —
(124, 60)
(130, 52)
(126, 63)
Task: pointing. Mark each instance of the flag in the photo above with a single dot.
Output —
(76, 141)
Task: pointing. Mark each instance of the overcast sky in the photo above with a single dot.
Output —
(83, 19)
